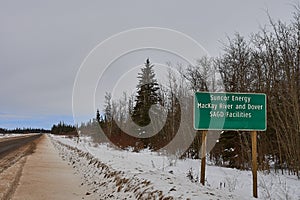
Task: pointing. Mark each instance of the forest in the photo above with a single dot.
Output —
(265, 62)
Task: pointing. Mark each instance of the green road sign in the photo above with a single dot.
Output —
(230, 111)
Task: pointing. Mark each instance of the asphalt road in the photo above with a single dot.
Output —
(10, 144)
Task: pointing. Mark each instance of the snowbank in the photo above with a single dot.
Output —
(149, 175)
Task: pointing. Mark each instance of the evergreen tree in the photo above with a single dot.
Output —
(147, 95)
(98, 115)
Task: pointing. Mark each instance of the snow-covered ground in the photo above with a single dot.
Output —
(13, 135)
(8, 135)
(126, 174)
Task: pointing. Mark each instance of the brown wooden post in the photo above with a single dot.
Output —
(203, 157)
(254, 162)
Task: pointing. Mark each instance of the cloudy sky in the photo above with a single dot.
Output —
(43, 43)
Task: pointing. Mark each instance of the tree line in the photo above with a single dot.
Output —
(64, 129)
(23, 130)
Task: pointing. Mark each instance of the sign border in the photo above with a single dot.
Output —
(229, 129)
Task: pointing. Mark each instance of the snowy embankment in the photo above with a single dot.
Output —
(144, 175)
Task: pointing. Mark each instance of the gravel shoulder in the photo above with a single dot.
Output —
(46, 176)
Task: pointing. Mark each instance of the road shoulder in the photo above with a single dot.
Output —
(46, 176)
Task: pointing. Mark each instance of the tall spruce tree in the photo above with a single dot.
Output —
(98, 115)
(147, 95)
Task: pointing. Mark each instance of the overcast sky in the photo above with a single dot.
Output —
(43, 43)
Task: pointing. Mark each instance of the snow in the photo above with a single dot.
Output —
(7, 135)
(149, 172)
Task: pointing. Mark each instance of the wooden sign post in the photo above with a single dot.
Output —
(203, 157)
(254, 162)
